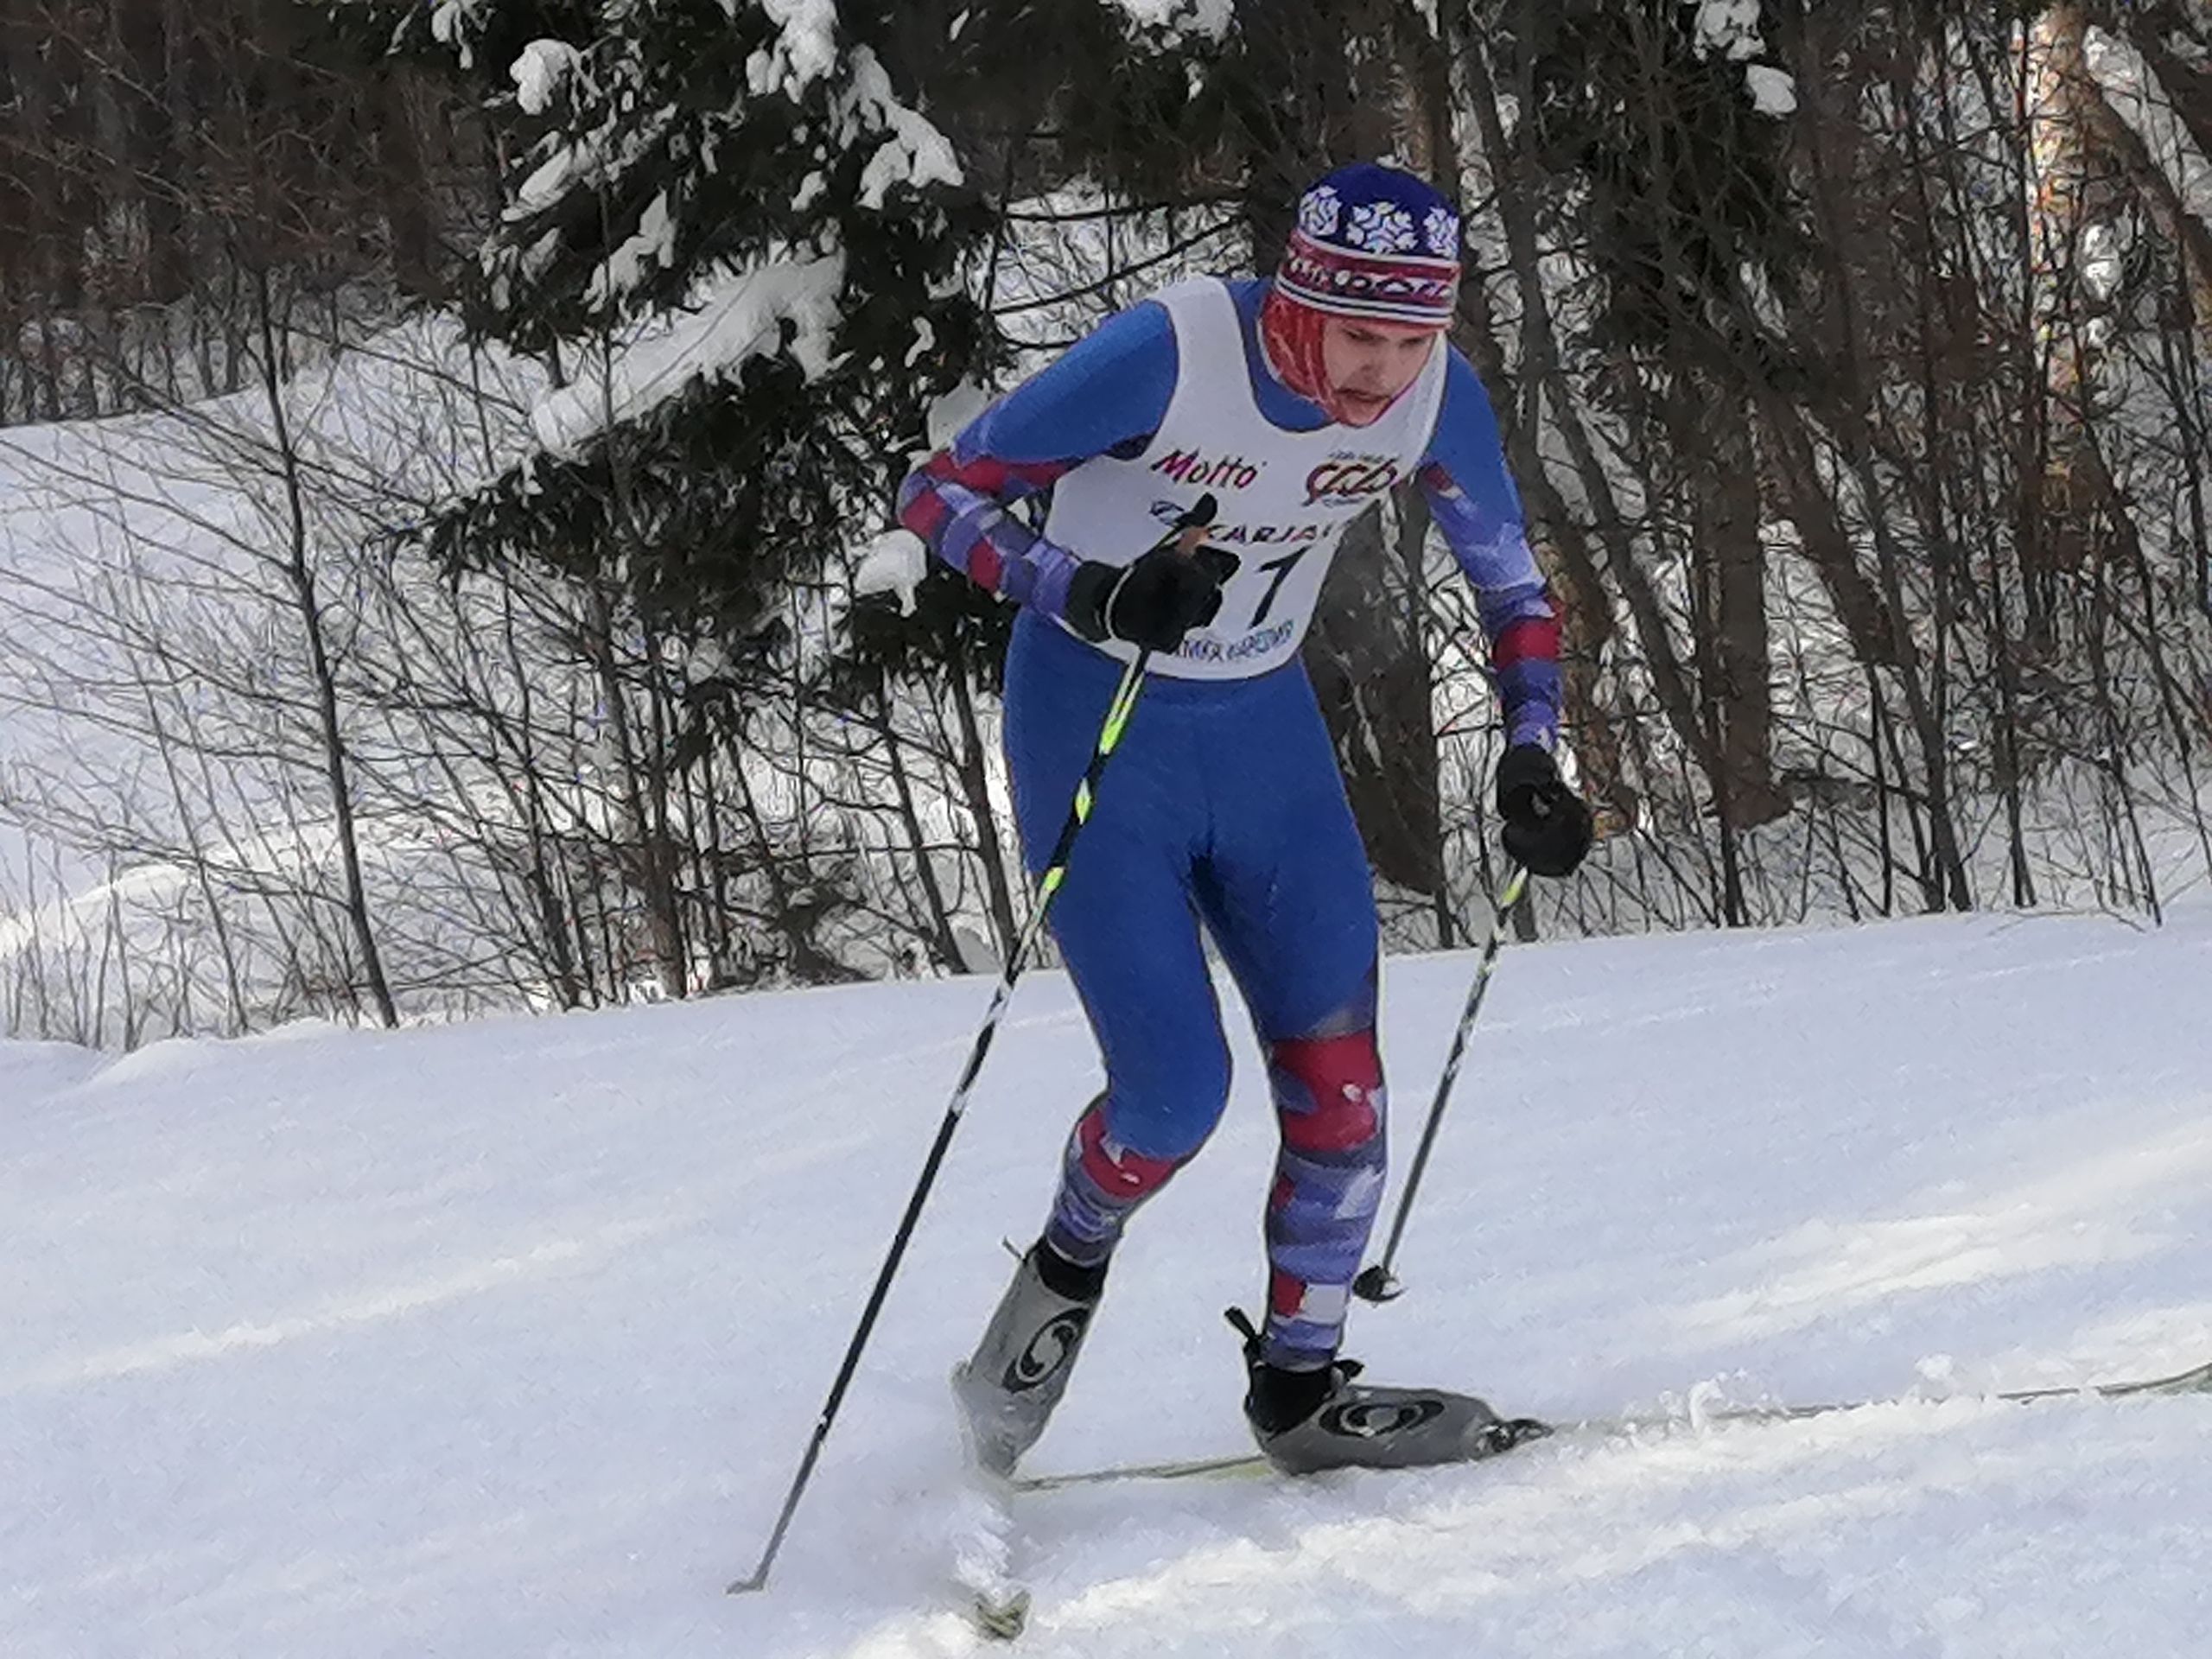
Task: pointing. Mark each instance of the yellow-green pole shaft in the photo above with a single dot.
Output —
(1086, 792)
(1188, 530)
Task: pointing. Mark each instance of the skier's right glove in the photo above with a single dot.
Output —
(1548, 827)
(1152, 602)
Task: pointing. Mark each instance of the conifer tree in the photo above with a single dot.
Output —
(728, 228)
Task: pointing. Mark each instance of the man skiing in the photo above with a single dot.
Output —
(1295, 402)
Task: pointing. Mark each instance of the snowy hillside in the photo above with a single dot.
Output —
(502, 1340)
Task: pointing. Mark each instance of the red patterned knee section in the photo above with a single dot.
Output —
(1328, 1090)
(1120, 1173)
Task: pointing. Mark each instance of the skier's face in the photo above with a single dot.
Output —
(1370, 364)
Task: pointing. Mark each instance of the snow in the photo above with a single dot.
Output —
(545, 184)
(1773, 91)
(948, 414)
(504, 1338)
(2138, 99)
(894, 563)
(115, 533)
(913, 153)
(1730, 27)
(805, 48)
(1206, 19)
(540, 71)
(653, 242)
(451, 23)
(742, 318)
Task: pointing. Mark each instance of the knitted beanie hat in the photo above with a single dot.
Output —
(1371, 243)
(1374, 242)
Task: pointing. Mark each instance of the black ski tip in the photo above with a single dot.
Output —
(1003, 1617)
(1509, 1432)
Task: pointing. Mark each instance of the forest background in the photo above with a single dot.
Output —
(446, 455)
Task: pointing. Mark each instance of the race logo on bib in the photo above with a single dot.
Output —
(1351, 480)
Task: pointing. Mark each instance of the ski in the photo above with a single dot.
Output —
(996, 1602)
(1231, 1463)
(2197, 1379)
(1228, 1466)
(1001, 1616)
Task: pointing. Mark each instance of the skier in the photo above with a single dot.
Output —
(1296, 401)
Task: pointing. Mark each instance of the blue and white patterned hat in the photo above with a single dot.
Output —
(1372, 241)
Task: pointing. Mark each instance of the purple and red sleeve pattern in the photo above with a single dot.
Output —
(957, 505)
(1513, 602)
(1515, 605)
(1106, 393)
(1472, 496)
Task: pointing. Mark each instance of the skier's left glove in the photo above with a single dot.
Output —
(1547, 826)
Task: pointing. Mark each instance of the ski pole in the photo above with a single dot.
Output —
(1376, 1284)
(1189, 529)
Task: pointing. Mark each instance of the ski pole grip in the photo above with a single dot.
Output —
(1196, 524)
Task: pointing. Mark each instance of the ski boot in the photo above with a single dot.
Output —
(1006, 1389)
(1307, 1422)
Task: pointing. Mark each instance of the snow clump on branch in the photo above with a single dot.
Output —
(805, 48)
(914, 152)
(1731, 28)
(743, 318)
(540, 73)
(1209, 19)
(894, 563)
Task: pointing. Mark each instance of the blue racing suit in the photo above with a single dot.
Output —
(1223, 809)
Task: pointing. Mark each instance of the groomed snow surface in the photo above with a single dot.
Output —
(503, 1340)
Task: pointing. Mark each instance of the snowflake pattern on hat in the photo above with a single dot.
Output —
(1319, 212)
(1374, 241)
(1382, 228)
(1441, 232)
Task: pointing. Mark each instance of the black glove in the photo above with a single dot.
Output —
(1151, 603)
(1548, 828)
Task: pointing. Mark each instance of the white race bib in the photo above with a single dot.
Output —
(1284, 498)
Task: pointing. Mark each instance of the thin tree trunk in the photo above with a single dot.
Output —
(299, 576)
(1853, 401)
(1727, 495)
(974, 783)
(947, 947)
(641, 855)
(1539, 364)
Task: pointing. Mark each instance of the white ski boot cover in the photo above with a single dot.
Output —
(1007, 1389)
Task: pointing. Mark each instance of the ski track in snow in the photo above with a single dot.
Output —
(503, 1339)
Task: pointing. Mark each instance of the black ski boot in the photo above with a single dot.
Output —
(1008, 1387)
(1309, 1420)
